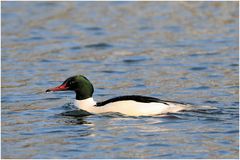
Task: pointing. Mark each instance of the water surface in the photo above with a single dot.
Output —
(182, 51)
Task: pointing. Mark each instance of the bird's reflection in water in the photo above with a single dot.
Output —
(76, 117)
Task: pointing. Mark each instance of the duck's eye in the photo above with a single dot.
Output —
(71, 82)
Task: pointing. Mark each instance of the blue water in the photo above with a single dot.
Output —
(181, 51)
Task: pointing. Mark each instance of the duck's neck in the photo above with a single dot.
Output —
(85, 104)
(80, 95)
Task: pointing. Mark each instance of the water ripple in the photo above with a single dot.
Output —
(99, 46)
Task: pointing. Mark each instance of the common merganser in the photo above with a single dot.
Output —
(131, 105)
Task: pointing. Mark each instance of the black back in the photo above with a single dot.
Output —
(143, 99)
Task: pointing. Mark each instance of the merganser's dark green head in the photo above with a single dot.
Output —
(80, 84)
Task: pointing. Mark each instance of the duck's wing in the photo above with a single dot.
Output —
(137, 98)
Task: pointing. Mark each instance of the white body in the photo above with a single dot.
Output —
(129, 107)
